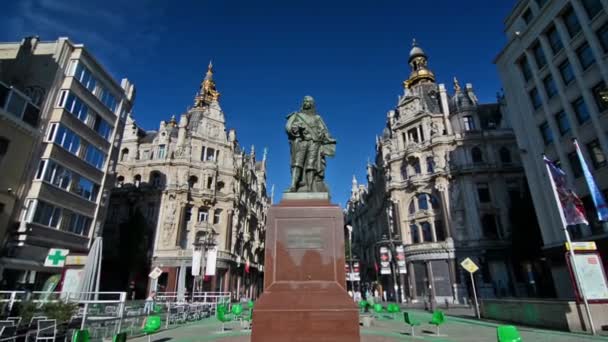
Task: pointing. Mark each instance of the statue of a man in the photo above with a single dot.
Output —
(310, 143)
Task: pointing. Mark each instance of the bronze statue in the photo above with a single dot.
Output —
(310, 143)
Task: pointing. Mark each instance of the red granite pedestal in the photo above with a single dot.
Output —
(305, 295)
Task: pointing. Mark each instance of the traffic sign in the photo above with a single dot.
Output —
(156, 272)
(469, 265)
(56, 257)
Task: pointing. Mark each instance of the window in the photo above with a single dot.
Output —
(427, 234)
(47, 215)
(137, 180)
(430, 165)
(102, 127)
(107, 99)
(210, 154)
(124, 154)
(217, 214)
(439, 231)
(78, 224)
(505, 155)
(58, 175)
(413, 135)
(87, 189)
(592, 7)
(539, 56)
(575, 164)
(120, 180)
(76, 107)
(203, 214)
(524, 66)
(67, 139)
(565, 69)
(535, 98)
(580, 108)
(161, 151)
(488, 224)
(40, 171)
(209, 182)
(585, 56)
(476, 155)
(414, 233)
(600, 94)
(571, 21)
(416, 165)
(85, 77)
(94, 156)
(412, 208)
(483, 192)
(150, 211)
(156, 179)
(51, 135)
(188, 213)
(469, 123)
(562, 122)
(597, 155)
(602, 35)
(192, 180)
(4, 142)
(550, 86)
(554, 40)
(423, 203)
(545, 132)
(528, 16)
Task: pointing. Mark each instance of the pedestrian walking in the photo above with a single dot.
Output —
(149, 306)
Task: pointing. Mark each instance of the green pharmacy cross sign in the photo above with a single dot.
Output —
(56, 257)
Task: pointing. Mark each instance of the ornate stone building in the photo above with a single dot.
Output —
(445, 176)
(187, 184)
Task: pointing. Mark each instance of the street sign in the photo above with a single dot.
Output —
(56, 257)
(469, 265)
(582, 246)
(156, 272)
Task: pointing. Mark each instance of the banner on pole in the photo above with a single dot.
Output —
(401, 259)
(571, 207)
(211, 261)
(197, 255)
(596, 195)
(385, 261)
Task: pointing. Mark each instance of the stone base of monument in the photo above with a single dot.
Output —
(305, 296)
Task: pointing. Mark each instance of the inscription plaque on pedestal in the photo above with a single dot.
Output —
(305, 295)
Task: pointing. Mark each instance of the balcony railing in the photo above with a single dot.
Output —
(19, 105)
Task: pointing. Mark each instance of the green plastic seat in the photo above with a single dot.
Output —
(152, 325)
(393, 308)
(250, 304)
(223, 316)
(411, 321)
(237, 310)
(362, 305)
(437, 320)
(507, 333)
(81, 336)
(120, 337)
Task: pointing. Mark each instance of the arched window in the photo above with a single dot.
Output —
(191, 181)
(488, 224)
(416, 165)
(156, 179)
(476, 154)
(414, 233)
(124, 154)
(423, 203)
(505, 155)
(137, 180)
(427, 235)
(120, 180)
(403, 171)
(430, 164)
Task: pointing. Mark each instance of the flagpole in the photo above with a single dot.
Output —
(570, 248)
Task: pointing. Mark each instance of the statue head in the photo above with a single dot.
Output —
(308, 104)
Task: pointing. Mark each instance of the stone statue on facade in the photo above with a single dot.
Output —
(310, 143)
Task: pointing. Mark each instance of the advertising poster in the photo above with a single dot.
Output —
(401, 260)
(385, 261)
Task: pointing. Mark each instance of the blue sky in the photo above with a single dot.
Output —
(350, 55)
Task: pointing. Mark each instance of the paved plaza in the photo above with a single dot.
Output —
(455, 329)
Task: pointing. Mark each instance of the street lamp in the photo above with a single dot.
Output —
(203, 240)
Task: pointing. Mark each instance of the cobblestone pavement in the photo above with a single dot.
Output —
(384, 328)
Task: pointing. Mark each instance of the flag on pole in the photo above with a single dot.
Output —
(571, 207)
(596, 194)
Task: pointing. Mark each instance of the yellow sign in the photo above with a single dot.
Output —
(469, 265)
(582, 246)
(76, 260)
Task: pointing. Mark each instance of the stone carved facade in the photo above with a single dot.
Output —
(191, 179)
(445, 174)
